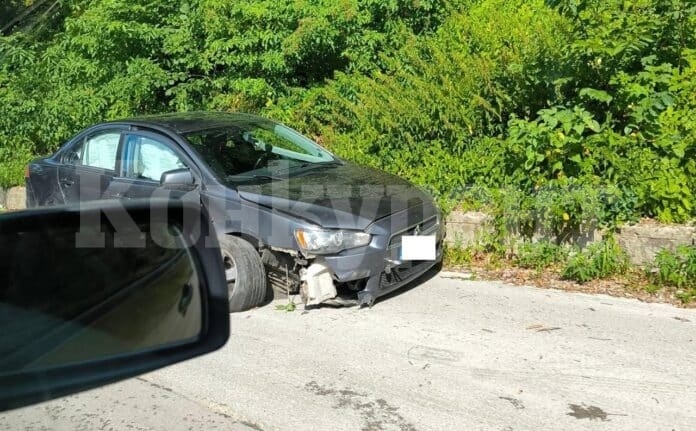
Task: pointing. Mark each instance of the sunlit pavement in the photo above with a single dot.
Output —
(447, 354)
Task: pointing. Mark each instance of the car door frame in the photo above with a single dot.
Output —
(125, 187)
(71, 175)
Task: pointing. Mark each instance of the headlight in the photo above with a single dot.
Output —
(330, 241)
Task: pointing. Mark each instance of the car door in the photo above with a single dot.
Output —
(88, 166)
(146, 156)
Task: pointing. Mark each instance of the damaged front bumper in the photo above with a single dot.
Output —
(376, 268)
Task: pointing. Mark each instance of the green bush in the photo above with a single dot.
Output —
(566, 112)
(430, 115)
(676, 269)
(14, 158)
(564, 209)
(599, 260)
(540, 255)
(457, 255)
(89, 61)
(574, 98)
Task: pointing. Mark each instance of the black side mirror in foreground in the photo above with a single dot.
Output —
(98, 293)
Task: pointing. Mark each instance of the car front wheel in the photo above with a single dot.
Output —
(244, 271)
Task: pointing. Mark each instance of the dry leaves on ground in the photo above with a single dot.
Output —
(632, 285)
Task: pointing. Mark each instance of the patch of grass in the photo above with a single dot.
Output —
(652, 288)
(599, 260)
(686, 296)
(457, 256)
(675, 269)
(494, 261)
(288, 307)
(540, 255)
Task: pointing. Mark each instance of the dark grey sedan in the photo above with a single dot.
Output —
(291, 217)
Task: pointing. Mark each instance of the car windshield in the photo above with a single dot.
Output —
(257, 149)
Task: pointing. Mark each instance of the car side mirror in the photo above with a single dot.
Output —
(105, 291)
(177, 179)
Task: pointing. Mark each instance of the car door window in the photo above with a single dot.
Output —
(97, 151)
(148, 158)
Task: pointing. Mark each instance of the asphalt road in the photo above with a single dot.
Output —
(447, 354)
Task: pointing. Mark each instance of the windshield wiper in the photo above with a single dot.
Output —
(307, 166)
(242, 177)
(331, 163)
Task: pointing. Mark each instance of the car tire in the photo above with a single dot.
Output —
(245, 273)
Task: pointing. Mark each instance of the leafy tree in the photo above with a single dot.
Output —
(556, 100)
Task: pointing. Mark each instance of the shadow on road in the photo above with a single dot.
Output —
(427, 276)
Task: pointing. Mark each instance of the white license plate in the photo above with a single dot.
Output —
(418, 247)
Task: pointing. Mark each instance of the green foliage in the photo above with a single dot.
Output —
(288, 307)
(553, 146)
(563, 209)
(540, 255)
(523, 96)
(13, 159)
(10, 9)
(561, 113)
(457, 255)
(676, 269)
(443, 96)
(599, 260)
(118, 58)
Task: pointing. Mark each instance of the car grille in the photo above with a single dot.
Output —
(423, 228)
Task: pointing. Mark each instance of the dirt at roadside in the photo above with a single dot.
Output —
(632, 285)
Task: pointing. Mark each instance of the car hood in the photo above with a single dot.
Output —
(346, 196)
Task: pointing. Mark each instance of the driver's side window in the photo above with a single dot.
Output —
(148, 159)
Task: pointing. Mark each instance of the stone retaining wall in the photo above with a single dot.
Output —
(13, 198)
(641, 241)
(467, 228)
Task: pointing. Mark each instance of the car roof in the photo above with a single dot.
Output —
(189, 122)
